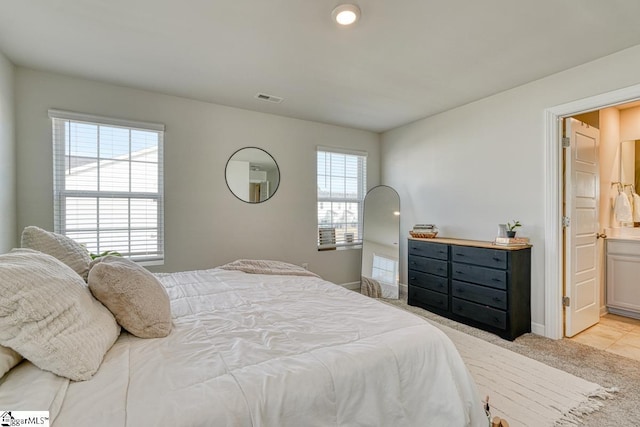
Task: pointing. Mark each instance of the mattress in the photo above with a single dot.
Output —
(265, 350)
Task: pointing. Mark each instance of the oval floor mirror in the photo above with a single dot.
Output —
(380, 243)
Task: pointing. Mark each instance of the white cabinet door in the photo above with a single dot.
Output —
(623, 287)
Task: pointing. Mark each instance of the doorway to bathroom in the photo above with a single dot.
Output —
(609, 324)
(593, 112)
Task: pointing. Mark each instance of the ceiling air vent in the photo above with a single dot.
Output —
(269, 98)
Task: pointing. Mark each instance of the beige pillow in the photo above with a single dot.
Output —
(134, 295)
(58, 246)
(48, 315)
(8, 359)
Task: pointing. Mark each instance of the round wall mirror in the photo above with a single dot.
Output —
(252, 175)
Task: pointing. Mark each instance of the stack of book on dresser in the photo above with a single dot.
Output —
(511, 241)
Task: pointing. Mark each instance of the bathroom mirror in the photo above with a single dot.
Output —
(630, 163)
(380, 243)
(252, 175)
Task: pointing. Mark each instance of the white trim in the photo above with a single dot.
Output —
(81, 117)
(537, 328)
(341, 150)
(553, 231)
(553, 254)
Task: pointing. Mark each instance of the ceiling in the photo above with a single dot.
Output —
(404, 60)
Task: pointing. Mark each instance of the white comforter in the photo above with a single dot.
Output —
(261, 350)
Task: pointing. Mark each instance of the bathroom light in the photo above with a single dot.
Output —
(346, 14)
(396, 213)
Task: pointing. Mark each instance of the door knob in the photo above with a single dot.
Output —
(601, 235)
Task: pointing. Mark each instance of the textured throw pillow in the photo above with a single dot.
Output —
(134, 295)
(48, 315)
(58, 246)
(8, 359)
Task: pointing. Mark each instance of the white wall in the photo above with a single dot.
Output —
(630, 124)
(471, 168)
(237, 174)
(609, 158)
(205, 224)
(7, 157)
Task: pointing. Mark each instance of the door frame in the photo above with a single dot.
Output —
(553, 246)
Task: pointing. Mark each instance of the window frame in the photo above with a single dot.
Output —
(61, 194)
(359, 200)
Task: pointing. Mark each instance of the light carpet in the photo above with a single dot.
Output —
(522, 390)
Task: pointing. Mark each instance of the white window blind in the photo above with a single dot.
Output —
(342, 181)
(108, 184)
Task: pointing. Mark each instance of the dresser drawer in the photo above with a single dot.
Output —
(481, 275)
(429, 298)
(431, 250)
(479, 256)
(479, 313)
(428, 265)
(480, 294)
(429, 281)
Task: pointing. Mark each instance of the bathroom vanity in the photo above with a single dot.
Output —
(623, 275)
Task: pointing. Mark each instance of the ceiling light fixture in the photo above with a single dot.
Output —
(346, 14)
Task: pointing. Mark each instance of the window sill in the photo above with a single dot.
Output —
(340, 248)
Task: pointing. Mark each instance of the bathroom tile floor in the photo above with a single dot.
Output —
(615, 334)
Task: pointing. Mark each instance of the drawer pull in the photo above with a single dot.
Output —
(460, 291)
(412, 278)
(460, 254)
(497, 299)
(496, 280)
(496, 259)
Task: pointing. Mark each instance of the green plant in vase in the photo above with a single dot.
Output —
(511, 228)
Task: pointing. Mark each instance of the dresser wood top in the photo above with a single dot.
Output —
(473, 243)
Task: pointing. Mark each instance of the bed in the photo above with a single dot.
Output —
(250, 349)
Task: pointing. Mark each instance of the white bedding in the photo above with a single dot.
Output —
(265, 350)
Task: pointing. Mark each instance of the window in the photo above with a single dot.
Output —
(108, 184)
(342, 181)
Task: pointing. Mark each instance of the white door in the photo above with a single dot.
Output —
(581, 198)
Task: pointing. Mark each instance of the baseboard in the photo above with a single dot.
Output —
(625, 313)
(603, 310)
(537, 328)
(352, 286)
